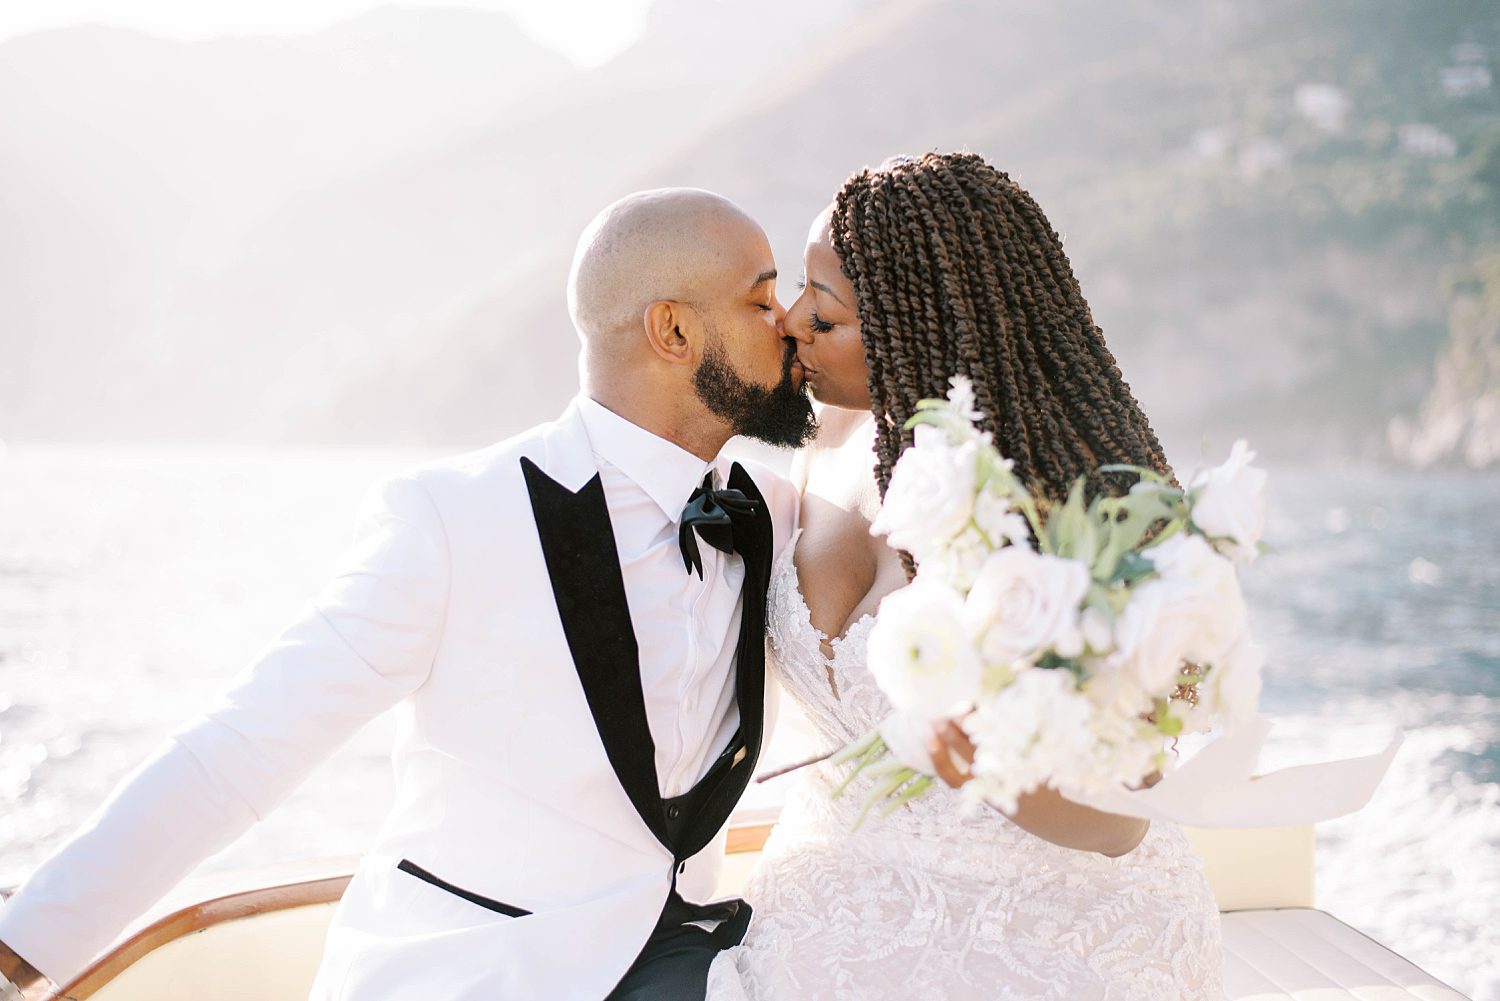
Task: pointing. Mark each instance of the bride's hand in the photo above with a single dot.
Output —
(949, 740)
(1043, 812)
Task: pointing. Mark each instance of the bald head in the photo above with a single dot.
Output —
(677, 244)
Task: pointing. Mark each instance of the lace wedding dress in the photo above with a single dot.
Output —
(928, 904)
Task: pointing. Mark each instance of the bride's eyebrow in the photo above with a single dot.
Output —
(824, 288)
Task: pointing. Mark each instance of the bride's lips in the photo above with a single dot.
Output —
(799, 370)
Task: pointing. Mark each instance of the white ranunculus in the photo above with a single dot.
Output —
(1024, 603)
(919, 653)
(1205, 591)
(1230, 504)
(931, 494)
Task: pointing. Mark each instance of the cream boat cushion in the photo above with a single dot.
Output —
(1277, 948)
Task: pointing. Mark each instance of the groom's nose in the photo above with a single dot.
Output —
(779, 312)
(799, 332)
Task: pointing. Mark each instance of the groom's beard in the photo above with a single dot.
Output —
(781, 415)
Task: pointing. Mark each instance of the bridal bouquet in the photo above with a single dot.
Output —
(1073, 639)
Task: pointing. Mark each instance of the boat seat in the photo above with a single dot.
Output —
(263, 940)
(1303, 954)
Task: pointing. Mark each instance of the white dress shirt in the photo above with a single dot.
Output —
(687, 629)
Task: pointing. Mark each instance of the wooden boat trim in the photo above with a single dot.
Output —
(198, 916)
(220, 897)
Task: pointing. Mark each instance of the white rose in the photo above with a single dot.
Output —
(1193, 612)
(1231, 691)
(1024, 603)
(1150, 645)
(930, 498)
(919, 653)
(1230, 504)
(1206, 593)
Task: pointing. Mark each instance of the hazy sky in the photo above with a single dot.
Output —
(586, 31)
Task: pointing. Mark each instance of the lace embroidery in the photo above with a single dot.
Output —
(930, 904)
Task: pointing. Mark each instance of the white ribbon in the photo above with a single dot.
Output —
(1218, 787)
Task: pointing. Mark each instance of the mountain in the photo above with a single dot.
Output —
(131, 166)
(355, 277)
(1261, 265)
(1261, 202)
(1459, 422)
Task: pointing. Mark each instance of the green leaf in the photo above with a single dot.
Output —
(884, 789)
(1143, 472)
(1132, 568)
(916, 787)
(874, 750)
(1066, 526)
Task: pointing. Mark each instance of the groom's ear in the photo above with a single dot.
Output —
(665, 321)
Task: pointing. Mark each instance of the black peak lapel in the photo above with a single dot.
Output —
(583, 562)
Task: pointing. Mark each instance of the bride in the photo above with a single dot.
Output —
(918, 271)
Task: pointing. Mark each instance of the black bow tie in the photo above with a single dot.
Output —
(711, 512)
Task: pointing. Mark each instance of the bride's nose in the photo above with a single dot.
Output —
(796, 326)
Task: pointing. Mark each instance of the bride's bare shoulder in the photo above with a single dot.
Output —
(838, 561)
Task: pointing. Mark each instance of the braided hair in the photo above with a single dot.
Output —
(956, 271)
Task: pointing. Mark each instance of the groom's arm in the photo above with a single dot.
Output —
(368, 640)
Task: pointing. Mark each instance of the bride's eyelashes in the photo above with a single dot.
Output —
(817, 323)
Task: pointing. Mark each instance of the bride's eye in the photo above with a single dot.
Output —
(817, 323)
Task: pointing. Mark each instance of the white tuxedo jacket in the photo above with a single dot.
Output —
(525, 855)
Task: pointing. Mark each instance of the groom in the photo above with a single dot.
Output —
(571, 622)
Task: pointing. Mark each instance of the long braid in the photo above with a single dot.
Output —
(957, 271)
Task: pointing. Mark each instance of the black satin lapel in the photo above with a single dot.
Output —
(578, 544)
(754, 542)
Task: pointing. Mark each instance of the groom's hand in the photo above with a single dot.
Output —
(949, 740)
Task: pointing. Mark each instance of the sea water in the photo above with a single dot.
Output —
(134, 582)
